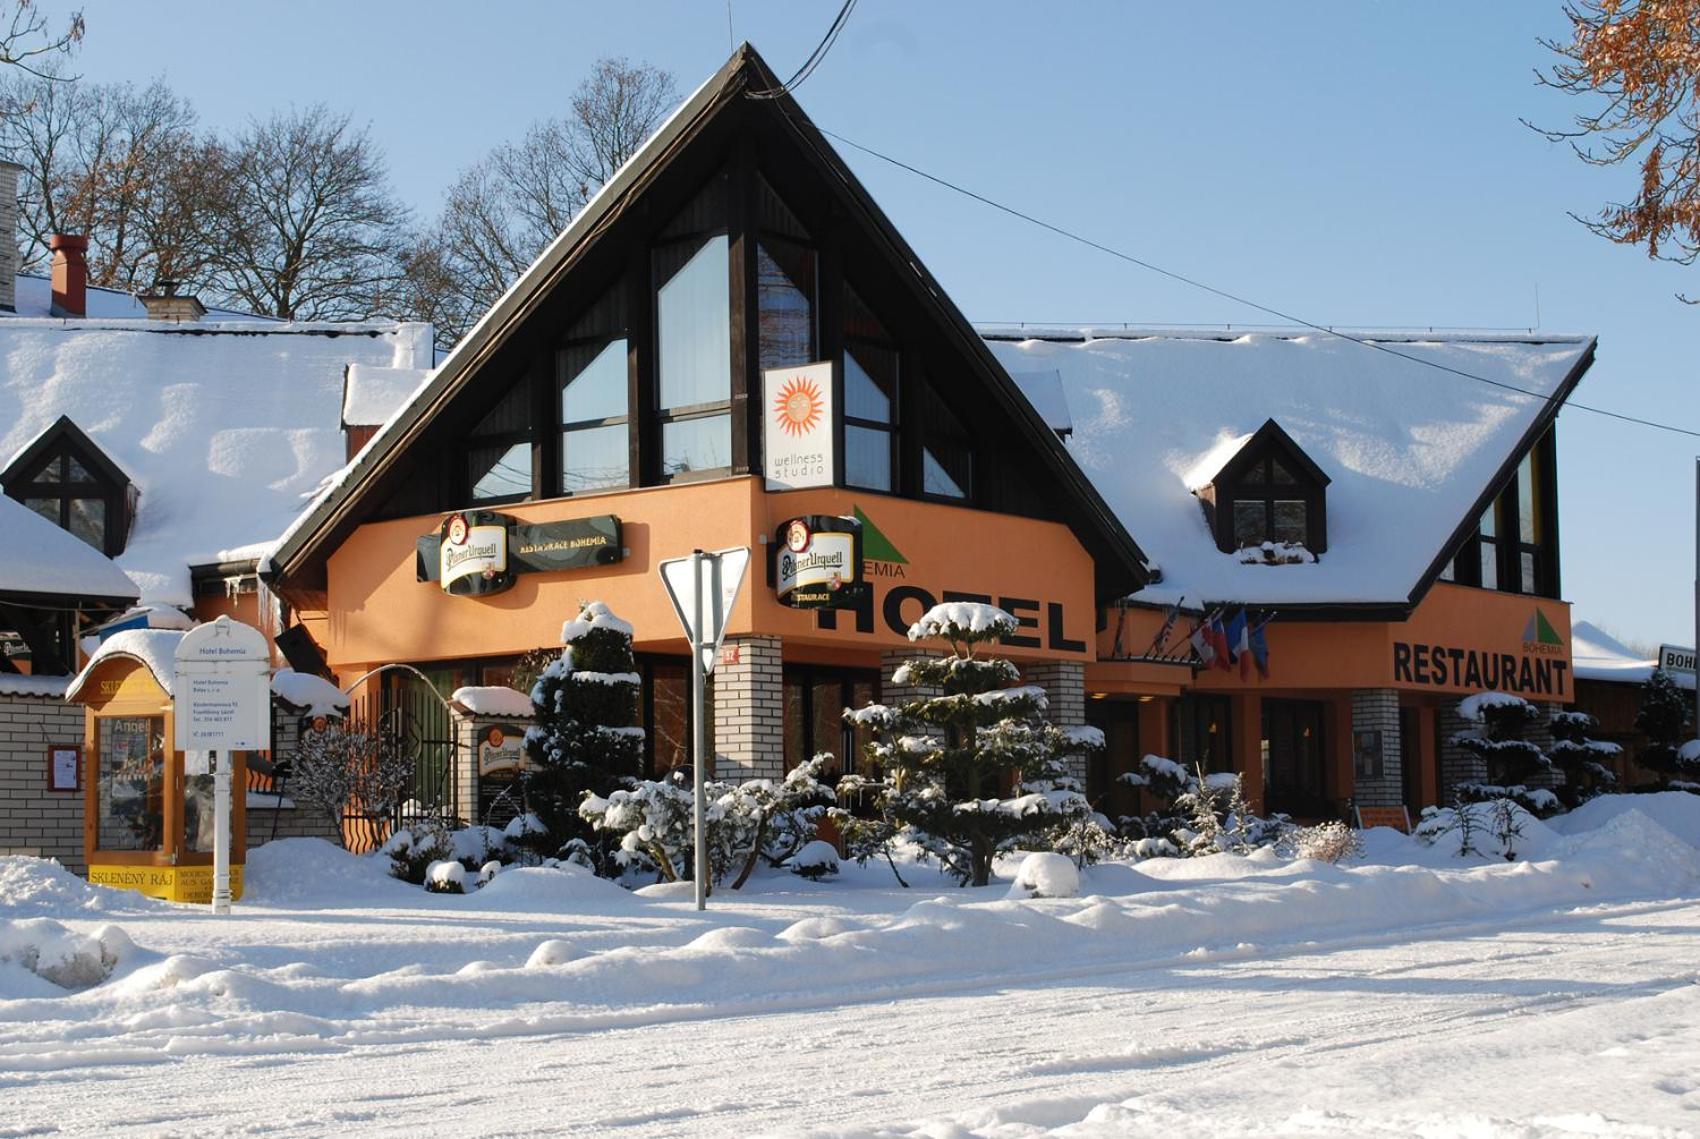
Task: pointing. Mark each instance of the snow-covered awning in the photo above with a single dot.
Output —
(154, 649)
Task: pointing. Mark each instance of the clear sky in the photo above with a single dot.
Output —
(1356, 163)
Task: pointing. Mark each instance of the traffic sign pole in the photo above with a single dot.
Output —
(699, 730)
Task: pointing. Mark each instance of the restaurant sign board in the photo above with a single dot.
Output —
(480, 552)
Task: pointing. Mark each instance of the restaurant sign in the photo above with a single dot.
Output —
(1539, 666)
(819, 562)
(475, 553)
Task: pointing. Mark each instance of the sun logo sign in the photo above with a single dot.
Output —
(798, 406)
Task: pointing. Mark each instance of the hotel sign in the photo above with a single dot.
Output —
(476, 553)
(797, 427)
(1675, 658)
(819, 562)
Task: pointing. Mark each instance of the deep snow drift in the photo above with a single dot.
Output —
(329, 955)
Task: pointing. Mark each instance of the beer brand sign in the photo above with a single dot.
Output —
(798, 415)
(472, 555)
(475, 553)
(819, 562)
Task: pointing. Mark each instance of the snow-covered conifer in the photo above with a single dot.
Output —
(1503, 722)
(974, 770)
(584, 738)
(1663, 719)
(1582, 759)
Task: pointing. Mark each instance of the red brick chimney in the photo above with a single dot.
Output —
(70, 274)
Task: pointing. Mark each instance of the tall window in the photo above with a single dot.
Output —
(591, 371)
(498, 453)
(694, 338)
(1515, 546)
(870, 398)
(1531, 526)
(785, 284)
(1488, 537)
(947, 455)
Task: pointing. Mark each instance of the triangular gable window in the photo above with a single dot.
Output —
(66, 478)
(1270, 497)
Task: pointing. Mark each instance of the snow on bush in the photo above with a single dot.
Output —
(413, 850)
(445, 877)
(336, 767)
(745, 821)
(817, 859)
(963, 622)
(61, 955)
(1046, 874)
(552, 952)
(488, 871)
(1275, 554)
(1327, 842)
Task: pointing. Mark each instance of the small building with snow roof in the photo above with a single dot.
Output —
(732, 346)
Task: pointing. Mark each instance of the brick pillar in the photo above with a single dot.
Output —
(749, 710)
(1377, 710)
(1064, 682)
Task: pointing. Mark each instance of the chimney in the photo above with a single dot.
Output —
(70, 274)
(9, 172)
(165, 303)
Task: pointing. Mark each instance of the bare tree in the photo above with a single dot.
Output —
(502, 212)
(118, 164)
(1638, 61)
(26, 42)
(306, 227)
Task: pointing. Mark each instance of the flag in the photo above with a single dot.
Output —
(1239, 639)
(1199, 639)
(1219, 641)
(1161, 640)
(1260, 649)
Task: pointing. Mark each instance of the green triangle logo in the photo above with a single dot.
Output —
(1540, 630)
(876, 547)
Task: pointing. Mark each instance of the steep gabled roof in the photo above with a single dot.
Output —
(1415, 454)
(1252, 448)
(62, 431)
(342, 505)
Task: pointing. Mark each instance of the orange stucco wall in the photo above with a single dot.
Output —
(376, 611)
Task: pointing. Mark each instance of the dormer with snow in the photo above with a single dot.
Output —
(66, 477)
(1262, 492)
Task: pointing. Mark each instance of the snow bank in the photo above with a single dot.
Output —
(40, 886)
(493, 700)
(61, 956)
(1677, 812)
(1046, 875)
(313, 872)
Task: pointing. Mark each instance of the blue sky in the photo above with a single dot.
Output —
(1356, 163)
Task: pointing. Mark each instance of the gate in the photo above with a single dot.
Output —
(402, 706)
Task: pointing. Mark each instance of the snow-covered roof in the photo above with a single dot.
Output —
(39, 557)
(155, 649)
(493, 700)
(227, 428)
(48, 687)
(370, 394)
(316, 695)
(1597, 655)
(35, 298)
(1410, 449)
(1044, 390)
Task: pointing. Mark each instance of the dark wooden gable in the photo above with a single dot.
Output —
(750, 167)
(1249, 475)
(63, 462)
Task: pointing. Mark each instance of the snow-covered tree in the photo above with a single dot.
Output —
(584, 739)
(1582, 759)
(974, 770)
(653, 821)
(1503, 722)
(336, 770)
(1663, 719)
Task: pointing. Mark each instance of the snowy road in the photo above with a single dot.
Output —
(1581, 1021)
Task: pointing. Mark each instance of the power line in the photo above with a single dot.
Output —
(1237, 299)
(807, 69)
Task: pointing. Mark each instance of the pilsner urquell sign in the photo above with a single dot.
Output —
(819, 562)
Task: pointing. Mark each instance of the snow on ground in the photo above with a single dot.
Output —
(1408, 994)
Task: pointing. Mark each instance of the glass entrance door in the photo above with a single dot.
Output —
(1293, 758)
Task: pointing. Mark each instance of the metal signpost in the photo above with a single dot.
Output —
(703, 589)
(221, 694)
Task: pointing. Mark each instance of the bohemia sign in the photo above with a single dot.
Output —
(479, 552)
(1539, 669)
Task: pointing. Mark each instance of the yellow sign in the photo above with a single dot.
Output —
(172, 883)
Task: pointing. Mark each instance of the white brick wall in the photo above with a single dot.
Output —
(1064, 683)
(34, 820)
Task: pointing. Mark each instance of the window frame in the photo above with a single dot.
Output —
(474, 441)
(618, 331)
(46, 475)
(892, 427)
(1251, 480)
(660, 415)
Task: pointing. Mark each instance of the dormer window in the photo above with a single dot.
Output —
(1268, 494)
(67, 479)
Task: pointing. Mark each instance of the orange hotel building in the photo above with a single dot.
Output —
(1394, 522)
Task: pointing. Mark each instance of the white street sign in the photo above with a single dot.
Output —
(221, 691)
(728, 568)
(1676, 658)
